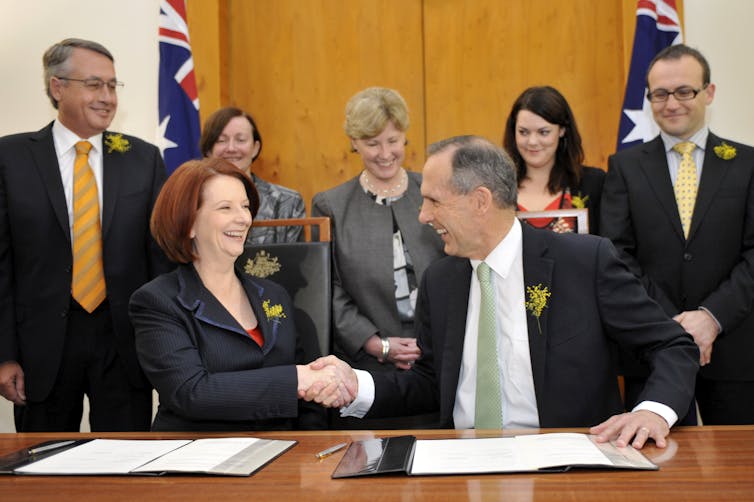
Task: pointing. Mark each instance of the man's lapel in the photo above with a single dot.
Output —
(654, 165)
(46, 160)
(537, 274)
(114, 166)
(713, 172)
(456, 301)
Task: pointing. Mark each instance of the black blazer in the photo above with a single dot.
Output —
(35, 250)
(592, 180)
(209, 373)
(595, 300)
(715, 267)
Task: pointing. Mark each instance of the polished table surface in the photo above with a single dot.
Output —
(700, 463)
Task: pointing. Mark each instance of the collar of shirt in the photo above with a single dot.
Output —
(699, 138)
(517, 382)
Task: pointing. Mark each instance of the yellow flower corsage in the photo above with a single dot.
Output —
(117, 143)
(273, 312)
(538, 296)
(725, 151)
(578, 201)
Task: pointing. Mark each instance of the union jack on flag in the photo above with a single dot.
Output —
(657, 27)
(178, 134)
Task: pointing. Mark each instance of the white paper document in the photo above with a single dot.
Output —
(520, 454)
(234, 456)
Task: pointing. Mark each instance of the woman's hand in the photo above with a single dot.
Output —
(403, 351)
(562, 226)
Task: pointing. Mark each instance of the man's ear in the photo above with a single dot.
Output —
(56, 88)
(482, 199)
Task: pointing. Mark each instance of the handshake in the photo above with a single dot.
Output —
(327, 381)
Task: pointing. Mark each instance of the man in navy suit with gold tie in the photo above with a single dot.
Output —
(75, 202)
(680, 210)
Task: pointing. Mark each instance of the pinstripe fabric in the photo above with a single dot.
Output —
(88, 287)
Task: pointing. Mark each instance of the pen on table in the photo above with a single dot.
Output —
(48, 447)
(331, 450)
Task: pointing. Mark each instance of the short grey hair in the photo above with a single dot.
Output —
(478, 162)
(55, 59)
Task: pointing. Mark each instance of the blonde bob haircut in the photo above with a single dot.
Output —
(369, 111)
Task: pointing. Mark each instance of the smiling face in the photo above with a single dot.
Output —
(236, 143)
(222, 220)
(85, 112)
(383, 154)
(451, 214)
(537, 140)
(680, 118)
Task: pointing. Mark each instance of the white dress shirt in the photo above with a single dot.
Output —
(65, 148)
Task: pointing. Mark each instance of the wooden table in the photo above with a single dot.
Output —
(700, 463)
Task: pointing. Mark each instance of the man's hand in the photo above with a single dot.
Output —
(12, 382)
(700, 325)
(327, 381)
(403, 351)
(638, 425)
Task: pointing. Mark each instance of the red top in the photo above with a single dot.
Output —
(256, 335)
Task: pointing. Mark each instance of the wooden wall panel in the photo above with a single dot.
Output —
(481, 54)
(295, 63)
(459, 64)
(207, 33)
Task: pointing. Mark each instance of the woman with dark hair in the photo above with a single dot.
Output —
(220, 347)
(232, 134)
(542, 138)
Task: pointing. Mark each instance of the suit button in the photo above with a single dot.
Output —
(68, 269)
(64, 313)
(687, 256)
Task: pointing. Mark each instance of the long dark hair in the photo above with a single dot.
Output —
(549, 104)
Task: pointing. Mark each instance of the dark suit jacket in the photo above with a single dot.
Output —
(209, 373)
(595, 299)
(592, 180)
(715, 267)
(35, 250)
(363, 280)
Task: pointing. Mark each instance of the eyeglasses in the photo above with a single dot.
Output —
(95, 84)
(681, 94)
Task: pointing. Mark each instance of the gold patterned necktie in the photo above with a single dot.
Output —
(88, 285)
(488, 407)
(686, 184)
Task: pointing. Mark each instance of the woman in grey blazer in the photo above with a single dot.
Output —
(380, 249)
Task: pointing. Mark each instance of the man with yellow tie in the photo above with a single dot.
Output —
(75, 202)
(680, 210)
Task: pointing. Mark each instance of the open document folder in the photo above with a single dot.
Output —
(529, 453)
(236, 456)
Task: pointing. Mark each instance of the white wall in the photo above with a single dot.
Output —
(720, 29)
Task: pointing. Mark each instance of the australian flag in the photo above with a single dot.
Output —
(178, 133)
(657, 27)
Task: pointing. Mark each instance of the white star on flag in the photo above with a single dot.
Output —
(645, 127)
(163, 143)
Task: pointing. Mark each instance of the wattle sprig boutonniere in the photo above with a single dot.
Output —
(117, 143)
(578, 201)
(725, 151)
(273, 312)
(537, 302)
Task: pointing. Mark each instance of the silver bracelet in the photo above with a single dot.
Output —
(385, 348)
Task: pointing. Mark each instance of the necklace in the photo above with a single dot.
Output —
(393, 190)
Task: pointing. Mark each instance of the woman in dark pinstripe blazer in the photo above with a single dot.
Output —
(220, 347)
